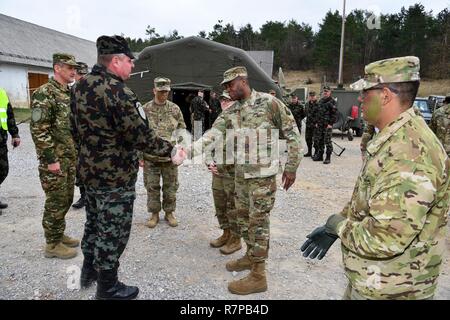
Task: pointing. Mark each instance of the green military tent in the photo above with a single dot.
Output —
(193, 64)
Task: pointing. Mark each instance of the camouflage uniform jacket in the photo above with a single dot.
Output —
(327, 114)
(12, 128)
(393, 236)
(369, 132)
(111, 125)
(311, 110)
(198, 108)
(298, 111)
(440, 124)
(165, 120)
(50, 123)
(260, 116)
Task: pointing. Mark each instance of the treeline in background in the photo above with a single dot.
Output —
(412, 31)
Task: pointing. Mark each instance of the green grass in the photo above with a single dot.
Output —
(22, 115)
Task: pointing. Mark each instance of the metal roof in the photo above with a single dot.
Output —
(25, 43)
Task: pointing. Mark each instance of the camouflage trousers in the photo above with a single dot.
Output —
(109, 214)
(322, 139)
(59, 191)
(4, 166)
(255, 199)
(223, 194)
(309, 135)
(352, 294)
(153, 172)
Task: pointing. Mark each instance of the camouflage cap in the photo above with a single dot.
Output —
(113, 45)
(64, 58)
(162, 84)
(402, 69)
(312, 93)
(82, 68)
(233, 73)
(225, 95)
(326, 88)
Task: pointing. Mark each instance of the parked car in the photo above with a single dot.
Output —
(422, 105)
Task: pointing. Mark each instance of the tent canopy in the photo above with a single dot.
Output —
(193, 63)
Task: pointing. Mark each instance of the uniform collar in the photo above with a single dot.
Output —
(99, 69)
(58, 85)
(385, 134)
(250, 100)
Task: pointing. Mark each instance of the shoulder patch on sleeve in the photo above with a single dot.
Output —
(36, 114)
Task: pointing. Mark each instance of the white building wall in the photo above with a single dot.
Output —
(14, 79)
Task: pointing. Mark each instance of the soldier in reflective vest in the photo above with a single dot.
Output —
(7, 124)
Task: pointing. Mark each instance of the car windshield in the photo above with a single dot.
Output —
(422, 105)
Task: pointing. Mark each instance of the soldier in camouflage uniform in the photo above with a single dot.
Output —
(298, 111)
(326, 117)
(224, 199)
(311, 110)
(52, 136)
(215, 106)
(440, 124)
(112, 126)
(82, 70)
(198, 108)
(7, 124)
(256, 114)
(393, 229)
(164, 117)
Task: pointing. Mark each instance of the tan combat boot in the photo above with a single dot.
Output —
(240, 264)
(70, 242)
(153, 221)
(171, 219)
(253, 283)
(59, 250)
(233, 245)
(222, 240)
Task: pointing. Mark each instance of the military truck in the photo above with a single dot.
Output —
(349, 118)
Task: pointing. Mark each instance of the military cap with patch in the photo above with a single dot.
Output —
(402, 69)
(64, 58)
(113, 45)
(312, 93)
(162, 84)
(234, 73)
(326, 88)
(82, 68)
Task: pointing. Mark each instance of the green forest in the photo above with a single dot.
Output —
(412, 31)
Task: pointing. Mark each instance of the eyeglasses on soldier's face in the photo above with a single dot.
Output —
(364, 93)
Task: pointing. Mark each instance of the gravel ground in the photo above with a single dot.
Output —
(178, 263)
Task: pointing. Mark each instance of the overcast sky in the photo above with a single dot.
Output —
(89, 19)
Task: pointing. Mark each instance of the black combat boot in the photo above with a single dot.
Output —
(110, 288)
(88, 274)
(309, 154)
(318, 156)
(328, 159)
(80, 203)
